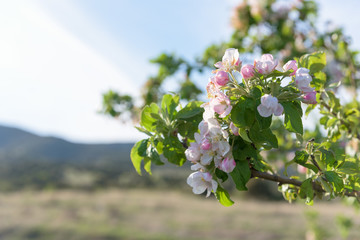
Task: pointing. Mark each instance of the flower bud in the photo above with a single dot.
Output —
(221, 78)
(234, 129)
(290, 65)
(248, 71)
(227, 165)
(310, 98)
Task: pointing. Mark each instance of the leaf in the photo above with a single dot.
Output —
(174, 151)
(301, 157)
(147, 120)
(263, 136)
(136, 158)
(350, 166)
(335, 181)
(169, 104)
(221, 175)
(307, 192)
(315, 62)
(293, 122)
(147, 165)
(241, 175)
(190, 110)
(242, 113)
(223, 197)
(327, 157)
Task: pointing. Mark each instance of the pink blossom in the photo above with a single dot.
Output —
(201, 181)
(221, 78)
(227, 165)
(303, 79)
(205, 144)
(221, 105)
(248, 71)
(310, 98)
(266, 64)
(193, 152)
(212, 88)
(269, 105)
(230, 60)
(290, 65)
(234, 129)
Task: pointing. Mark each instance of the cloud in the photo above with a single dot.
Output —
(51, 82)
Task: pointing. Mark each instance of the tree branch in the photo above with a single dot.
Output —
(285, 180)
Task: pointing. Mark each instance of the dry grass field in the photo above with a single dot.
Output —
(145, 214)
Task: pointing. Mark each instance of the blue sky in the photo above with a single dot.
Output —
(57, 57)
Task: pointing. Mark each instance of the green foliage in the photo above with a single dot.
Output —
(241, 175)
(223, 197)
(293, 114)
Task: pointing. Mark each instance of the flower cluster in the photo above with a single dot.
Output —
(211, 149)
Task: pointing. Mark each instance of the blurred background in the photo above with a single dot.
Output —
(65, 169)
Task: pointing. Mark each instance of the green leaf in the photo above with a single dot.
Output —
(190, 110)
(147, 165)
(244, 135)
(335, 181)
(169, 104)
(136, 158)
(223, 197)
(154, 156)
(147, 120)
(263, 136)
(188, 127)
(350, 166)
(243, 114)
(241, 175)
(293, 122)
(221, 175)
(307, 192)
(315, 62)
(174, 151)
(301, 157)
(327, 157)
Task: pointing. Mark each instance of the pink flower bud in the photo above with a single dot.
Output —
(234, 129)
(221, 78)
(205, 144)
(291, 65)
(248, 71)
(227, 165)
(310, 98)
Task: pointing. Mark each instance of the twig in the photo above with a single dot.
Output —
(284, 180)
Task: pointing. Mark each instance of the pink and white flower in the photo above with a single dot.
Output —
(200, 182)
(290, 65)
(303, 79)
(221, 104)
(269, 105)
(230, 60)
(248, 71)
(227, 165)
(266, 64)
(310, 98)
(193, 152)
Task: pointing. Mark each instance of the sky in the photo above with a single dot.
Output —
(58, 56)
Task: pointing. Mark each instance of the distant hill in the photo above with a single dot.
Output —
(19, 145)
(29, 160)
